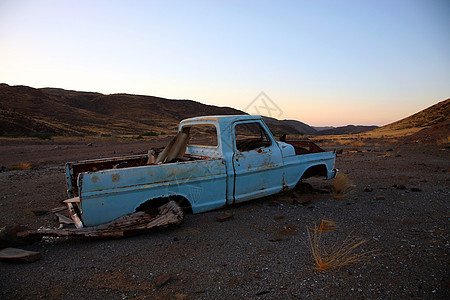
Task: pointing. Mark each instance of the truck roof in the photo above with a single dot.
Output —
(222, 118)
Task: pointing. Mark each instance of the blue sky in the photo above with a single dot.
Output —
(320, 62)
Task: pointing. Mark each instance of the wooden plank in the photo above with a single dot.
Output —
(58, 209)
(14, 254)
(169, 214)
(72, 200)
(63, 219)
(74, 216)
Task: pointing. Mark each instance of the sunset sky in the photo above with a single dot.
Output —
(319, 62)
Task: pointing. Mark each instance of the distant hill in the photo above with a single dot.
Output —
(25, 111)
(349, 129)
(320, 128)
(289, 126)
(434, 115)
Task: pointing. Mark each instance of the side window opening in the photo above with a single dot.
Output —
(204, 135)
(250, 136)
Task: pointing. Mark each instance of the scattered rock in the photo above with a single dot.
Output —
(277, 239)
(181, 296)
(89, 145)
(9, 238)
(368, 190)
(414, 189)
(380, 198)
(301, 199)
(162, 279)
(19, 255)
(225, 216)
(4, 169)
(39, 212)
(278, 217)
(322, 190)
(303, 188)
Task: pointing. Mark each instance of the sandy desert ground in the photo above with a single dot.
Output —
(399, 205)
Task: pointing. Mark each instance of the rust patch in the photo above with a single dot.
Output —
(115, 177)
(94, 179)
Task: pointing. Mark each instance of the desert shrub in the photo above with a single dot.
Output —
(341, 186)
(139, 137)
(150, 133)
(105, 135)
(43, 136)
(358, 144)
(336, 256)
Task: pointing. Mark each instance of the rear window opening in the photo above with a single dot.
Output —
(204, 135)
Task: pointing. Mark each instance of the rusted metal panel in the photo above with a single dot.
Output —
(109, 194)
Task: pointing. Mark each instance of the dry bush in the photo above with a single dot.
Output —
(358, 144)
(325, 226)
(341, 186)
(338, 255)
(443, 141)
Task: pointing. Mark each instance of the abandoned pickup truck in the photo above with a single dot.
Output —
(213, 161)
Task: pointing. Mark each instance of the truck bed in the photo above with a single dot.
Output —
(74, 168)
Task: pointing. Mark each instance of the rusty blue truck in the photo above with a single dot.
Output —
(214, 161)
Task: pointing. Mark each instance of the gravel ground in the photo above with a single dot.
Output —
(261, 253)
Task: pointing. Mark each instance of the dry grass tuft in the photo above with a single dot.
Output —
(325, 226)
(341, 186)
(337, 256)
(23, 166)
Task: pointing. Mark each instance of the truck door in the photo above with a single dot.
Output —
(257, 162)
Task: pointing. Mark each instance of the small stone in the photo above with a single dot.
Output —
(277, 239)
(368, 190)
(415, 189)
(40, 212)
(400, 187)
(278, 217)
(380, 198)
(302, 199)
(225, 216)
(162, 279)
